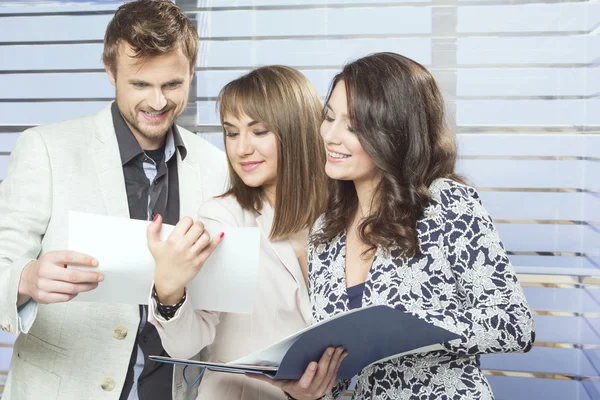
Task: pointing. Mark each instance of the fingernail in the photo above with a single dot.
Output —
(94, 262)
(155, 217)
(312, 367)
(330, 352)
(222, 234)
(100, 278)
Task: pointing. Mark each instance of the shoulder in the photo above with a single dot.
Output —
(456, 204)
(58, 136)
(70, 129)
(444, 191)
(226, 210)
(318, 225)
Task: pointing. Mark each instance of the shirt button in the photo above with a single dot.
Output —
(120, 332)
(107, 384)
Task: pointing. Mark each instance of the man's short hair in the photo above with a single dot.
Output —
(152, 28)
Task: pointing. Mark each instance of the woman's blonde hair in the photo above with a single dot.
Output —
(284, 100)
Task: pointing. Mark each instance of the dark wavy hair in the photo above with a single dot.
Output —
(397, 111)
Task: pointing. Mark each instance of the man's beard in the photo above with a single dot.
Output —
(151, 132)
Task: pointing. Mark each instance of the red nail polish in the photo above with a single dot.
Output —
(222, 234)
(155, 217)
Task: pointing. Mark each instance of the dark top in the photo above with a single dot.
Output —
(164, 190)
(146, 199)
(355, 294)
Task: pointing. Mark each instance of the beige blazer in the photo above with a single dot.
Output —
(76, 351)
(281, 308)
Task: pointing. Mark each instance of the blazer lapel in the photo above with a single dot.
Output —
(105, 152)
(285, 252)
(190, 184)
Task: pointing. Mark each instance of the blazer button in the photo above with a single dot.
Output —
(107, 384)
(120, 332)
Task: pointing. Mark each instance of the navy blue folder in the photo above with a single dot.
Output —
(369, 334)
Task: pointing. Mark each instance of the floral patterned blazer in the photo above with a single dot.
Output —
(462, 281)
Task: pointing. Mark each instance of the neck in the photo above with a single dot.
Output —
(365, 190)
(270, 195)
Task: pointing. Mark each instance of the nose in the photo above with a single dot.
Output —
(157, 100)
(244, 145)
(329, 132)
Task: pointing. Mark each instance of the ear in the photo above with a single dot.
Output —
(111, 75)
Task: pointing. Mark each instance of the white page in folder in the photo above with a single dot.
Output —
(226, 282)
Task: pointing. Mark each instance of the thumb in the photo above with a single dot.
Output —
(153, 230)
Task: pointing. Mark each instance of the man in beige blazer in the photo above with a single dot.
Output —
(128, 160)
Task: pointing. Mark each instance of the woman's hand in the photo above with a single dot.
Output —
(317, 380)
(180, 257)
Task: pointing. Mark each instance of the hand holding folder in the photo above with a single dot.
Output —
(371, 334)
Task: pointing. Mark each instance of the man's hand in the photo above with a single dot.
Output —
(180, 257)
(317, 380)
(48, 280)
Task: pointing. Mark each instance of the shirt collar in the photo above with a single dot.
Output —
(129, 148)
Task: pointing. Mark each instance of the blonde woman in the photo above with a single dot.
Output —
(270, 119)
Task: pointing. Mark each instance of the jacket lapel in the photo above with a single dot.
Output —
(190, 183)
(105, 152)
(285, 252)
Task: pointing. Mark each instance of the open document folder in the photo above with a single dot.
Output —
(226, 282)
(370, 334)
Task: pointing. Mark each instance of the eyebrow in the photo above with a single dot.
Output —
(174, 81)
(328, 106)
(233, 126)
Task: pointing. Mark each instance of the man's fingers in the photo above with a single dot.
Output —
(71, 275)
(68, 257)
(50, 298)
(67, 288)
(153, 230)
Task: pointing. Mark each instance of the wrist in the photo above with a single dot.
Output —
(23, 293)
(165, 310)
(168, 295)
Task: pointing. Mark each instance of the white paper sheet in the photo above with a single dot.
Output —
(226, 282)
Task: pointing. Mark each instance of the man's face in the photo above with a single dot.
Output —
(151, 93)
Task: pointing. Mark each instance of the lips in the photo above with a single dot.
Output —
(248, 166)
(155, 116)
(334, 156)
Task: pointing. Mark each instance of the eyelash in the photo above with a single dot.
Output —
(234, 134)
(329, 119)
(140, 85)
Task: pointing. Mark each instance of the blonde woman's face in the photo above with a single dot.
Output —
(252, 150)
